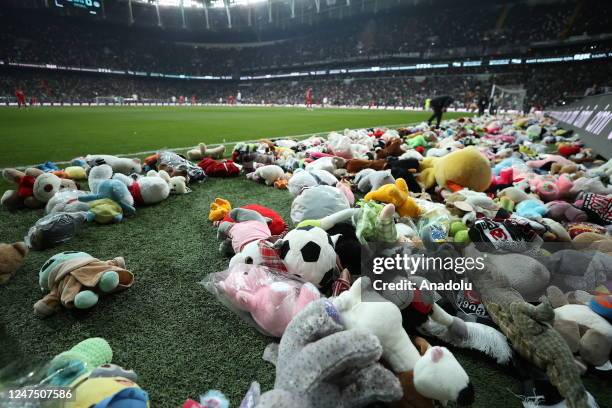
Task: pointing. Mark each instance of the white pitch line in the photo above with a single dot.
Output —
(178, 149)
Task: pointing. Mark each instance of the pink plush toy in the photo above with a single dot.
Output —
(271, 299)
(550, 188)
(505, 178)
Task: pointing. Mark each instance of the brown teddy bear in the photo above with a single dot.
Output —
(33, 188)
(11, 259)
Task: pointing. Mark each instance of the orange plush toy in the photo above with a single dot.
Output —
(396, 194)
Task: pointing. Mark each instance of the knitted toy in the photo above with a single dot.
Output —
(104, 211)
(315, 355)
(74, 280)
(201, 152)
(268, 174)
(118, 164)
(87, 370)
(11, 259)
(585, 332)
(271, 302)
(145, 190)
(465, 168)
(368, 179)
(529, 330)
(396, 194)
(221, 168)
(437, 374)
(102, 186)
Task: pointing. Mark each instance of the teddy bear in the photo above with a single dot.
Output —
(392, 148)
(314, 357)
(103, 186)
(11, 259)
(396, 194)
(368, 179)
(144, 189)
(118, 164)
(177, 184)
(436, 374)
(76, 279)
(34, 188)
(465, 168)
(202, 151)
(587, 334)
(221, 168)
(405, 168)
(271, 301)
(268, 174)
(356, 165)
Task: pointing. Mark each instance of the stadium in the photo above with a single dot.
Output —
(198, 195)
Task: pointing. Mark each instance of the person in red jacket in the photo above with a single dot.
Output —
(21, 99)
(309, 98)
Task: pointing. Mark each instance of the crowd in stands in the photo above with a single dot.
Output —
(545, 85)
(493, 28)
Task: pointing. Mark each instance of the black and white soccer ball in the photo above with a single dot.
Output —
(309, 252)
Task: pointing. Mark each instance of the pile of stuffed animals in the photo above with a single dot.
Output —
(521, 195)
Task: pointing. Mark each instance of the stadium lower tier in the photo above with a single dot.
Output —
(544, 85)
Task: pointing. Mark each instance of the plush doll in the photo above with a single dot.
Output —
(465, 168)
(74, 280)
(356, 165)
(145, 190)
(272, 303)
(23, 195)
(416, 141)
(396, 194)
(318, 202)
(118, 164)
(94, 380)
(550, 188)
(219, 209)
(249, 226)
(586, 333)
(201, 152)
(533, 209)
(11, 258)
(309, 253)
(177, 184)
(436, 374)
(564, 211)
(104, 211)
(368, 179)
(221, 168)
(103, 186)
(406, 169)
(314, 357)
(268, 174)
(275, 222)
(308, 178)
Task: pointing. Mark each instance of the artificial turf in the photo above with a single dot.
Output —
(169, 329)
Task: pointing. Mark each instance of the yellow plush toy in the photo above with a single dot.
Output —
(108, 392)
(465, 168)
(396, 194)
(219, 209)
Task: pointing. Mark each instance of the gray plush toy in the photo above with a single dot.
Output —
(319, 364)
(369, 180)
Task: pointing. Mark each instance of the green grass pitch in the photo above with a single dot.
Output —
(173, 333)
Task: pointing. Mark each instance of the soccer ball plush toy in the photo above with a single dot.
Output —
(309, 253)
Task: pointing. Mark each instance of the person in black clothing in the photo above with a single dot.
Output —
(483, 101)
(439, 104)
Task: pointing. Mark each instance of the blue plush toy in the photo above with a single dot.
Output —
(48, 167)
(102, 186)
(506, 163)
(531, 209)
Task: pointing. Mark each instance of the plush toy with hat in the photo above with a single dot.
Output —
(315, 355)
(76, 279)
(396, 194)
(11, 259)
(465, 168)
(272, 300)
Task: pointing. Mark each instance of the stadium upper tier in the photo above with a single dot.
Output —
(402, 33)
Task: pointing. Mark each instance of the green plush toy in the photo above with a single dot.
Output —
(417, 141)
(104, 211)
(79, 360)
